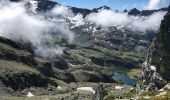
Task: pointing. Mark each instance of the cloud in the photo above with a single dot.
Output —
(62, 10)
(153, 4)
(17, 24)
(151, 22)
(107, 18)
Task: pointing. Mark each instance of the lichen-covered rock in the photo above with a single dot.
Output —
(150, 79)
(155, 71)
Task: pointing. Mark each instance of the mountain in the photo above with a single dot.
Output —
(100, 8)
(45, 5)
(94, 37)
(117, 47)
(155, 71)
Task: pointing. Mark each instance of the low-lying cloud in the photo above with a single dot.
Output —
(17, 24)
(62, 11)
(107, 18)
(151, 22)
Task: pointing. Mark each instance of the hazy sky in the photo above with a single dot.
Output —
(116, 4)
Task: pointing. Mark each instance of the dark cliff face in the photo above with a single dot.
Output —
(155, 71)
(160, 48)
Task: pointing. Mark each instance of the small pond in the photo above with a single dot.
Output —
(123, 78)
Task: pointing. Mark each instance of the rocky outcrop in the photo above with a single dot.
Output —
(155, 71)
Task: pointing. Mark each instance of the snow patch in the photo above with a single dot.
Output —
(30, 94)
(59, 87)
(146, 97)
(90, 89)
(71, 64)
(153, 68)
(77, 20)
(118, 87)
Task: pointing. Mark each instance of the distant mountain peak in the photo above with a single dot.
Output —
(101, 8)
(125, 11)
(134, 11)
(104, 7)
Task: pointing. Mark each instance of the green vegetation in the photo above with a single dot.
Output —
(10, 49)
(155, 96)
(83, 54)
(162, 69)
(15, 67)
(110, 96)
(87, 76)
(134, 73)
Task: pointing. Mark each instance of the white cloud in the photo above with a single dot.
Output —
(62, 10)
(151, 22)
(109, 18)
(17, 24)
(153, 4)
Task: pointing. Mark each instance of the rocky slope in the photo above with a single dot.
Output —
(22, 71)
(155, 71)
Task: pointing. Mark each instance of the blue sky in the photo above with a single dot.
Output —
(114, 4)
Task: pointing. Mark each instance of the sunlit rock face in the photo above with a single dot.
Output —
(155, 71)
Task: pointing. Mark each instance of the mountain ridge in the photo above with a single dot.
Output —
(44, 5)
